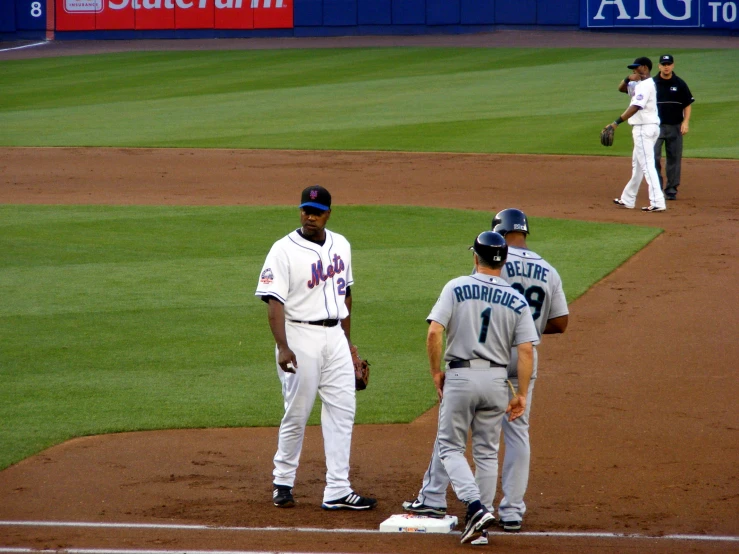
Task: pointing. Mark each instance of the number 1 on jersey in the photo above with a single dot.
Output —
(485, 315)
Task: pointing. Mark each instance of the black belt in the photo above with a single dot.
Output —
(322, 323)
(466, 363)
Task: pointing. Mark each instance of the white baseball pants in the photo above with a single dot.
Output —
(325, 369)
(642, 166)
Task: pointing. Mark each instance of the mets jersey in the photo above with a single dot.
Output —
(309, 279)
(498, 314)
(645, 97)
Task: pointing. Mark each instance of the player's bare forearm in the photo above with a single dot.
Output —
(623, 86)
(525, 368)
(276, 316)
(685, 126)
(434, 346)
(525, 365)
(556, 325)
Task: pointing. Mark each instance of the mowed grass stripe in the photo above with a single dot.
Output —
(445, 99)
(128, 318)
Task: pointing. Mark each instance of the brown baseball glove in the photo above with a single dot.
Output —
(606, 135)
(361, 370)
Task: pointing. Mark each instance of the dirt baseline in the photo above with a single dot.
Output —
(634, 426)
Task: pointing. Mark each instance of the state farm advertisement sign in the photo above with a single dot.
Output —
(90, 15)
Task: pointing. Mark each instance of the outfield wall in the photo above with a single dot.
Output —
(258, 18)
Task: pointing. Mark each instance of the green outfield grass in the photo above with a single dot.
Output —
(127, 318)
(421, 99)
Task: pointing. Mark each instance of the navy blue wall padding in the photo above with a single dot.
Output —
(338, 13)
(7, 16)
(24, 14)
(308, 13)
(478, 12)
(520, 12)
(583, 14)
(442, 12)
(350, 31)
(374, 12)
(563, 12)
(409, 12)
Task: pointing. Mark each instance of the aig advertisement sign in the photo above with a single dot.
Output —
(87, 15)
(718, 14)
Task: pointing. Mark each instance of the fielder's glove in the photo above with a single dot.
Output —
(361, 370)
(606, 135)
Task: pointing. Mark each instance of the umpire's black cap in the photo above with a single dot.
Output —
(641, 61)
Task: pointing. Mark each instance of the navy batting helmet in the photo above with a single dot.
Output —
(509, 220)
(491, 247)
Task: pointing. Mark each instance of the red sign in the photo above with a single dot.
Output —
(89, 15)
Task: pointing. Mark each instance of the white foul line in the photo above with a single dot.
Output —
(24, 46)
(193, 527)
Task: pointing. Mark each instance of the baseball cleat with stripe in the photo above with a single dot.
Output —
(476, 524)
(481, 540)
(351, 501)
(417, 507)
(623, 204)
(282, 496)
(513, 526)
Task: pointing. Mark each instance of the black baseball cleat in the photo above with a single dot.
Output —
(512, 526)
(417, 507)
(282, 496)
(652, 209)
(476, 524)
(351, 501)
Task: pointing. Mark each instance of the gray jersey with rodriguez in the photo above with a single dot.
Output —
(499, 315)
(538, 282)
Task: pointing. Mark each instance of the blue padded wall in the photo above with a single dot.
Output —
(7, 16)
(519, 12)
(563, 12)
(409, 12)
(374, 12)
(308, 13)
(478, 12)
(442, 12)
(338, 13)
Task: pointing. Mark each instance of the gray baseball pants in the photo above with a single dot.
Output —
(473, 399)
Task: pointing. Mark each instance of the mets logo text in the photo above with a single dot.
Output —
(318, 275)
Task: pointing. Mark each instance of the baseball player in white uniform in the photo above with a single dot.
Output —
(306, 282)
(541, 285)
(483, 317)
(644, 119)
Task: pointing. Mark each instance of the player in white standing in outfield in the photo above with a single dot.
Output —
(643, 117)
(484, 318)
(306, 282)
(541, 285)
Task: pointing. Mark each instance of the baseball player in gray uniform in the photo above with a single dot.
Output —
(306, 282)
(484, 317)
(541, 285)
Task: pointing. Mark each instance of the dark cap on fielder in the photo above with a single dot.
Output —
(666, 59)
(641, 61)
(316, 197)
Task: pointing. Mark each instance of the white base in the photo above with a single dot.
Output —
(408, 523)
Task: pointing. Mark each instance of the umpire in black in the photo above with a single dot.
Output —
(674, 101)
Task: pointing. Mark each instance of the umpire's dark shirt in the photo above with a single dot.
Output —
(673, 96)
